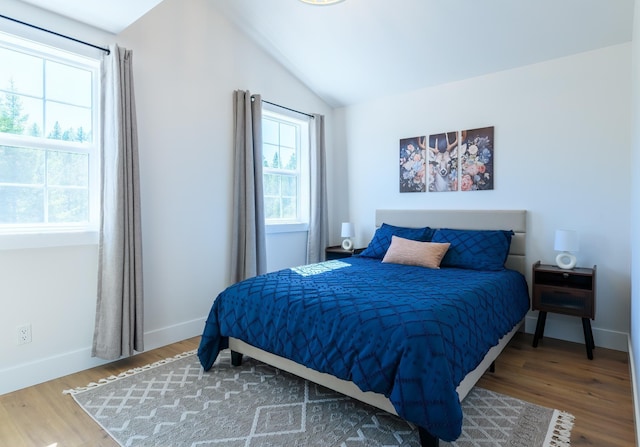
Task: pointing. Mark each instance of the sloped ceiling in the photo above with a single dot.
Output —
(361, 49)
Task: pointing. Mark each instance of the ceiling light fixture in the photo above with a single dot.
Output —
(321, 2)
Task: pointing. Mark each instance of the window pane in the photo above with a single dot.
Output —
(32, 113)
(269, 154)
(68, 84)
(289, 160)
(68, 123)
(68, 205)
(271, 185)
(271, 208)
(289, 208)
(20, 73)
(21, 165)
(21, 205)
(18, 113)
(67, 169)
(270, 133)
(288, 135)
(289, 185)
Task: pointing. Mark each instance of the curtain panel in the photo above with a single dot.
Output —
(119, 308)
(318, 236)
(248, 241)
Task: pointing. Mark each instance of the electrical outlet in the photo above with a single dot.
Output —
(24, 334)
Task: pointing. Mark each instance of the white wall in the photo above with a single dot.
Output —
(634, 348)
(187, 61)
(562, 152)
(52, 288)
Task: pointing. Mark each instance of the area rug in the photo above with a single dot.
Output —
(175, 403)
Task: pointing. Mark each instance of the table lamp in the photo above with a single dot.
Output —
(347, 233)
(566, 241)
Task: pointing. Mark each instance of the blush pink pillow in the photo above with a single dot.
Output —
(422, 254)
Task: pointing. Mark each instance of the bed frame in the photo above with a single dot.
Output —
(456, 219)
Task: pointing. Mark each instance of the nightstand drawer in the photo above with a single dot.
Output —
(574, 302)
(564, 279)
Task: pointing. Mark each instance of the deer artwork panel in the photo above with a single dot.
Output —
(443, 162)
(413, 164)
(476, 159)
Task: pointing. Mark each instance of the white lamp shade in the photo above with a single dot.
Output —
(566, 240)
(347, 229)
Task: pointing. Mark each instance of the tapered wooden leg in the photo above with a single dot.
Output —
(236, 358)
(588, 337)
(427, 439)
(542, 319)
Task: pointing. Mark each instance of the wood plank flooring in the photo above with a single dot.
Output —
(557, 374)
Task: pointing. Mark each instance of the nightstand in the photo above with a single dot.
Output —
(568, 292)
(337, 252)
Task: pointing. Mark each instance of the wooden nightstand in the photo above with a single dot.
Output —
(337, 252)
(568, 292)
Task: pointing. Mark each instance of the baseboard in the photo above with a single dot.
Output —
(570, 329)
(634, 391)
(44, 369)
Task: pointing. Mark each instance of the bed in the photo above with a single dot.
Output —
(415, 346)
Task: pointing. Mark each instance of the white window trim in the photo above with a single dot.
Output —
(277, 228)
(23, 236)
(301, 224)
(51, 239)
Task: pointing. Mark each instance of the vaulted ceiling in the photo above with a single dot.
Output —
(361, 49)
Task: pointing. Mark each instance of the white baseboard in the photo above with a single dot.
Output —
(48, 368)
(570, 329)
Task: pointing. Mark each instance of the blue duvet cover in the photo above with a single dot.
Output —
(410, 333)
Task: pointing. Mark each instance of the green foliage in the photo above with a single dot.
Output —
(12, 120)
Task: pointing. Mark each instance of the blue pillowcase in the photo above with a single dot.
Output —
(381, 241)
(475, 249)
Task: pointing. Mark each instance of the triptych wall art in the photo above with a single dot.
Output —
(451, 161)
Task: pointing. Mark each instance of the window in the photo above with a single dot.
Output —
(49, 139)
(285, 144)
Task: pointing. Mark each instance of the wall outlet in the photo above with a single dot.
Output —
(24, 334)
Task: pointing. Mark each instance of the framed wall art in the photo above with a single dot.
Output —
(476, 159)
(443, 162)
(413, 164)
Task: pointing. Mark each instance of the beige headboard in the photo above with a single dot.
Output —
(515, 220)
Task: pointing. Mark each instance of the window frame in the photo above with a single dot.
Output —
(303, 123)
(13, 236)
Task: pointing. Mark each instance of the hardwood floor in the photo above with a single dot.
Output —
(557, 374)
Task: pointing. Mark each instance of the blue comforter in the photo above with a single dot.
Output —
(410, 333)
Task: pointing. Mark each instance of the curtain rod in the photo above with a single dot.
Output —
(286, 108)
(106, 50)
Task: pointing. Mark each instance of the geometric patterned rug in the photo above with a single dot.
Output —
(175, 403)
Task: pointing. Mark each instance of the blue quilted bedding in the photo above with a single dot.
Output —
(410, 333)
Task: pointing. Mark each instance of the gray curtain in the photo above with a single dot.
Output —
(318, 221)
(248, 243)
(119, 309)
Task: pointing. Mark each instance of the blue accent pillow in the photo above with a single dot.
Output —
(381, 241)
(475, 249)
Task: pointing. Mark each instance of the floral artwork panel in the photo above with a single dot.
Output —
(443, 162)
(476, 159)
(413, 164)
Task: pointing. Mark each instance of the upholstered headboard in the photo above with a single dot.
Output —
(515, 220)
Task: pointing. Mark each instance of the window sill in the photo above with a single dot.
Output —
(45, 240)
(287, 228)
